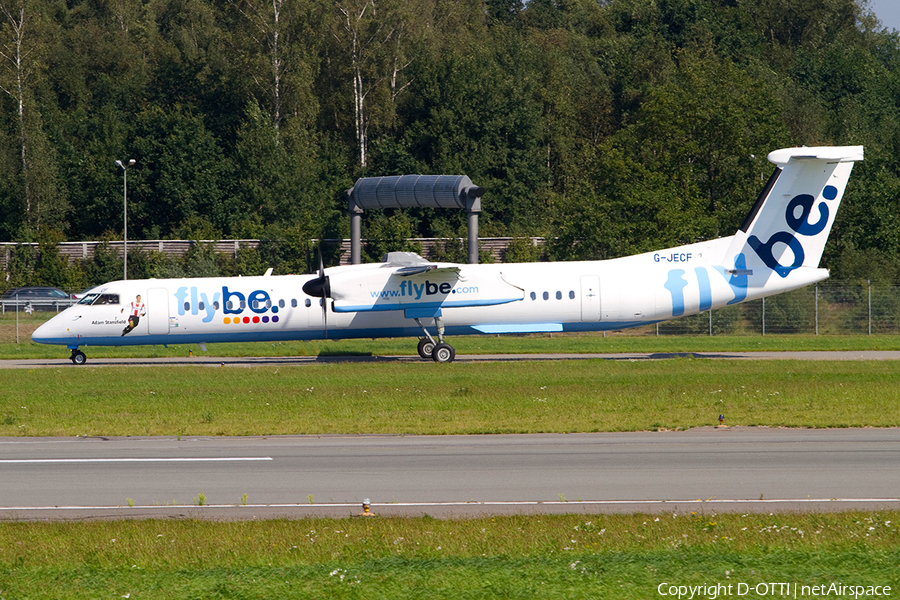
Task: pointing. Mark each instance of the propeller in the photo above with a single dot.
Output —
(320, 287)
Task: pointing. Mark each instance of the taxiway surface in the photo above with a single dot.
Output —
(707, 469)
(251, 361)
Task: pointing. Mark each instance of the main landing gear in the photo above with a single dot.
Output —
(439, 351)
(78, 357)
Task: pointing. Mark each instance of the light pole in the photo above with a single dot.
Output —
(125, 212)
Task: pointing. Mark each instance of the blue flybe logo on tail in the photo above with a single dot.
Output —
(800, 225)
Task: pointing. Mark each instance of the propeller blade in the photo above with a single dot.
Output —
(326, 289)
(319, 287)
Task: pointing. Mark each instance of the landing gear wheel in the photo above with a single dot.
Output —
(78, 357)
(443, 353)
(426, 347)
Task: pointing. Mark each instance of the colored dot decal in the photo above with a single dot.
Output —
(247, 320)
(830, 192)
(274, 309)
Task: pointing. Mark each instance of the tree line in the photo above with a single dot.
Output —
(607, 126)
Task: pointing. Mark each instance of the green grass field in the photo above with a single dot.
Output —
(598, 556)
(630, 556)
(459, 398)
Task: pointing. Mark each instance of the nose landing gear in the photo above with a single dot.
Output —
(78, 357)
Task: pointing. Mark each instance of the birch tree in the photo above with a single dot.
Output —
(19, 52)
(15, 54)
(280, 31)
(374, 37)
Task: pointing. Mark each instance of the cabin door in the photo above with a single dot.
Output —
(158, 311)
(590, 298)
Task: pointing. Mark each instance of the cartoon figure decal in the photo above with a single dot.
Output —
(136, 310)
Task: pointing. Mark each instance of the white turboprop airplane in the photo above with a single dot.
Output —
(777, 249)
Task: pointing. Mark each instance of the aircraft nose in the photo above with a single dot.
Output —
(51, 332)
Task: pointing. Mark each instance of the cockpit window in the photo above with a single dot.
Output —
(98, 299)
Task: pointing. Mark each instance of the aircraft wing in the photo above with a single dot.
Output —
(423, 289)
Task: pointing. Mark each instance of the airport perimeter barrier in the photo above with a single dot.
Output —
(827, 308)
(28, 306)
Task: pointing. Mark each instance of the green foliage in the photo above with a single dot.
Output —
(21, 265)
(522, 250)
(609, 127)
(388, 234)
(106, 265)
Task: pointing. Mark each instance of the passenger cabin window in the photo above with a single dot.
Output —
(308, 303)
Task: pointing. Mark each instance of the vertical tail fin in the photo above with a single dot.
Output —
(790, 222)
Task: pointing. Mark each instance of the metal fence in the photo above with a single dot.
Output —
(829, 308)
(30, 306)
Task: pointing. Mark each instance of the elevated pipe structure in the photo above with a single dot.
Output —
(411, 191)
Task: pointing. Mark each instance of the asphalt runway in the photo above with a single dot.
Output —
(250, 361)
(710, 470)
